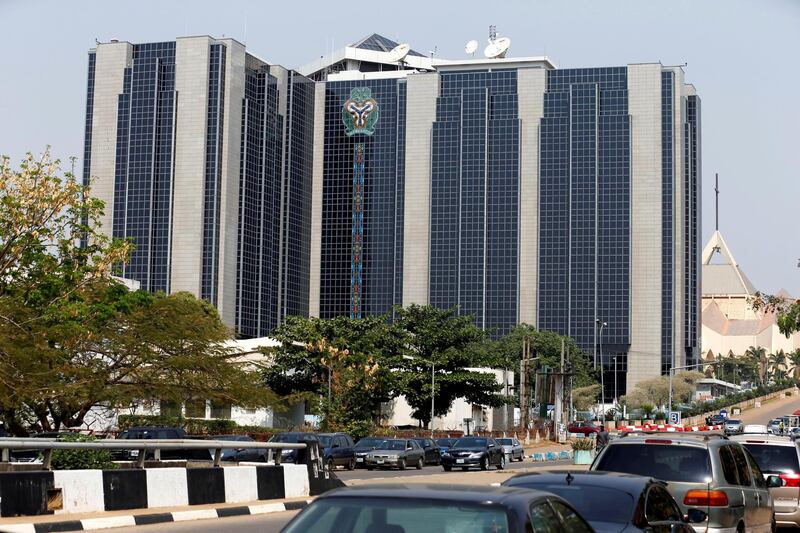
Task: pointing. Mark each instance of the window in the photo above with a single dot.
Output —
(572, 522)
(544, 519)
(775, 459)
(170, 408)
(758, 475)
(659, 506)
(728, 465)
(667, 462)
(196, 409)
(221, 410)
(742, 468)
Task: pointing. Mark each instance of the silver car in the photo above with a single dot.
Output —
(706, 472)
(512, 448)
(396, 453)
(733, 427)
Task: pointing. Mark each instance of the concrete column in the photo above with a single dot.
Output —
(422, 90)
(531, 85)
(191, 84)
(110, 62)
(644, 107)
(316, 200)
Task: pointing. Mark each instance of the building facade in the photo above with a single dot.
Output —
(516, 192)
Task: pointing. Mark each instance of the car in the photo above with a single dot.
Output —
(613, 502)
(468, 452)
(512, 448)
(733, 427)
(364, 446)
(407, 508)
(398, 453)
(778, 455)
(581, 426)
(337, 450)
(239, 454)
(774, 426)
(445, 443)
(716, 420)
(161, 433)
(709, 472)
(794, 432)
(433, 455)
(759, 429)
(293, 437)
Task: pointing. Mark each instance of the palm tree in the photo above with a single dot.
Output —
(794, 363)
(777, 363)
(758, 355)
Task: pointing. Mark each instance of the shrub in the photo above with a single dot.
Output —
(81, 459)
(193, 426)
(582, 444)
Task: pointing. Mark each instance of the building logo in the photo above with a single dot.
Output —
(360, 112)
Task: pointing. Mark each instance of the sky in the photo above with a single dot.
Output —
(741, 55)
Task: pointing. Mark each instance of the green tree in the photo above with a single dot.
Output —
(758, 356)
(788, 311)
(777, 364)
(794, 363)
(656, 390)
(455, 346)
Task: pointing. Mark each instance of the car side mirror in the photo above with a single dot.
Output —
(491, 445)
(774, 482)
(409, 447)
(696, 516)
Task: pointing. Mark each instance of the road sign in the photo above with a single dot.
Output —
(675, 418)
(723, 412)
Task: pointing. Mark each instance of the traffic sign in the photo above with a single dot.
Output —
(723, 412)
(675, 418)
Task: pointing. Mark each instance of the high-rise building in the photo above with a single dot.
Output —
(516, 192)
(202, 153)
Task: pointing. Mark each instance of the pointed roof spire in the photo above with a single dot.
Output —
(725, 278)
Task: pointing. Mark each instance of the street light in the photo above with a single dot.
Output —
(602, 371)
(615, 383)
(433, 384)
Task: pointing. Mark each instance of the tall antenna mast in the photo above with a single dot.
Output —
(492, 33)
(716, 191)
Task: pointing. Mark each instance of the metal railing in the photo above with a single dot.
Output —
(143, 446)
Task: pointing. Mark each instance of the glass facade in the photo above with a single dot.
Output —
(667, 220)
(475, 146)
(384, 171)
(144, 157)
(87, 131)
(692, 193)
(584, 213)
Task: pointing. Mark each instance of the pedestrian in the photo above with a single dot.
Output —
(781, 427)
(602, 439)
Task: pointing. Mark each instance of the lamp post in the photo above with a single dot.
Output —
(602, 371)
(615, 382)
(433, 384)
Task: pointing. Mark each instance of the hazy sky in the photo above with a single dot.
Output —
(742, 56)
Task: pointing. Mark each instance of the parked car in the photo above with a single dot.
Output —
(292, 456)
(399, 508)
(794, 432)
(733, 427)
(582, 426)
(337, 450)
(364, 446)
(757, 429)
(239, 454)
(445, 444)
(160, 433)
(774, 426)
(433, 456)
(396, 453)
(512, 448)
(779, 456)
(474, 451)
(715, 420)
(708, 472)
(613, 502)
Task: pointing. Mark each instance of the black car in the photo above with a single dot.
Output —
(159, 433)
(240, 454)
(482, 452)
(433, 456)
(613, 502)
(715, 420)
(337, 450)
(292, 456)
(400, 508)
(364, 446)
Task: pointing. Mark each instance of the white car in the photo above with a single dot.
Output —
(760, 429)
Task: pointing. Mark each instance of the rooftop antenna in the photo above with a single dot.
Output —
(492, 33)
(434, 51)
(497, 47)
(398, 54)
(716, 192)
(470, 47)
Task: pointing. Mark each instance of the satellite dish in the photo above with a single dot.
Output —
(471, 46)
(399, 52)
(497, 48)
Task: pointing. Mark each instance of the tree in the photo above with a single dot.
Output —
(794, 363)
(656, 390)
(758, 356)
(454, 345)
(777, 364)
(585, 397)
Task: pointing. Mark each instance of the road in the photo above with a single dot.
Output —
(360, 474)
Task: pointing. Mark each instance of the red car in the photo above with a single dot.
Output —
(582, 427)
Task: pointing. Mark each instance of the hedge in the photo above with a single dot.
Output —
(192, 426)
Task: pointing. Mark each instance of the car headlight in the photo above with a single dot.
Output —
(475, 455)
(445, 454)
(287, 452)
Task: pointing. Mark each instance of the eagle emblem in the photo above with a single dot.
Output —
(360, 112)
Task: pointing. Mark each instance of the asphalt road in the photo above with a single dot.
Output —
(364, 474)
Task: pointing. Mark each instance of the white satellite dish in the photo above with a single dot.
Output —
(497, 48)
(399, 53)
(471, 46)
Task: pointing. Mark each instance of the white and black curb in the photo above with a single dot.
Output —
(89, 524)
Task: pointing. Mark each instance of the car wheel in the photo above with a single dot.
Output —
(419, 463)
(330, 464)
(521, 457)
(447, 468)
(502, 464)
(401, 464)
(484, 463)
(352, 464)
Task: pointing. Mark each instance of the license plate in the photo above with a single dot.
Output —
(359, 459)
(459, 461)
(379, 461)
(134, 453)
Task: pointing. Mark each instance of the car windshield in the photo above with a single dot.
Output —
(446, 442)
(668, 462)
(364, 515)
(325, 440)
(470, 442)
(292, 437)
(369, 442)
(733, 421)
(394, 445)
(594, 503)
(774, 459)
(505, 442)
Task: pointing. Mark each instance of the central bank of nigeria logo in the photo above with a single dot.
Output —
(360, 112)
